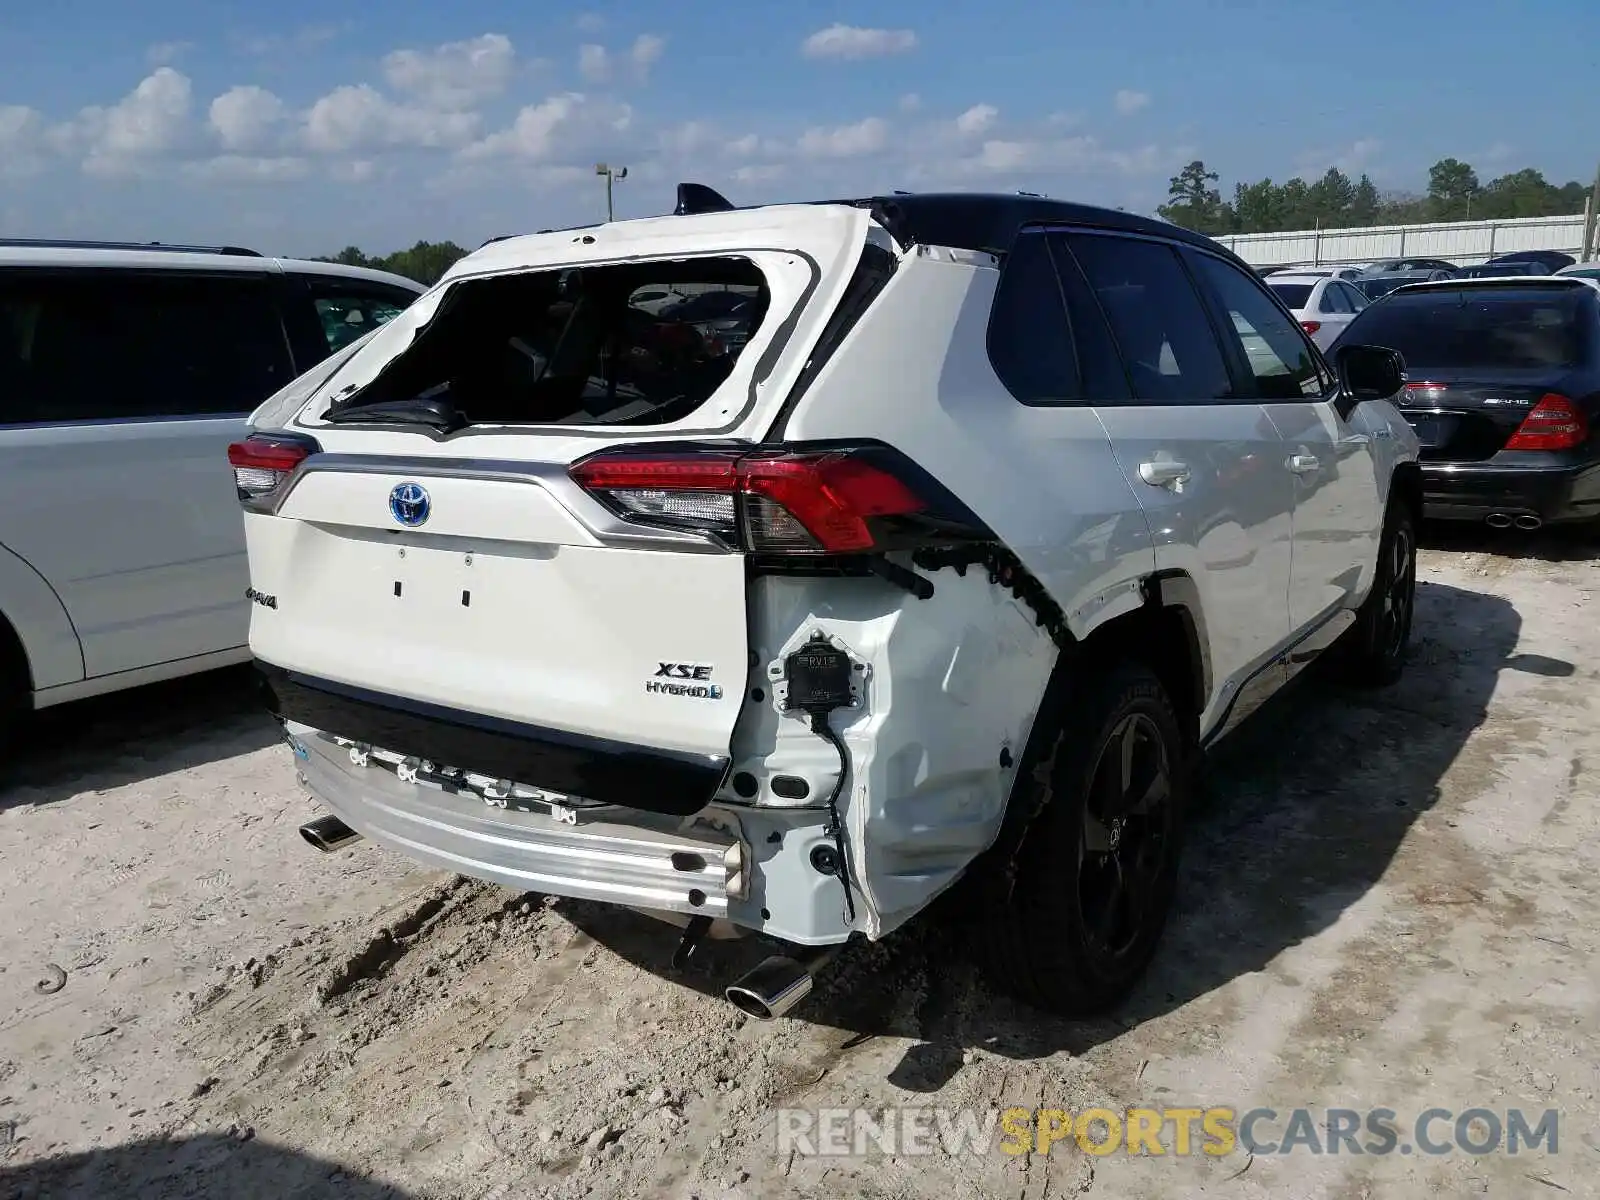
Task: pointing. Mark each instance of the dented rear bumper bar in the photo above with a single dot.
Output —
(651, 861)
(609, 772)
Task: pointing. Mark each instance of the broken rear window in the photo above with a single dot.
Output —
(624, 344)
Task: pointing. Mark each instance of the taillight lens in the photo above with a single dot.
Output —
(826, 501)
(261, 462)
(1311, 326)
(1555, 423)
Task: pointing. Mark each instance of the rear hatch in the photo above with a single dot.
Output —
(433, 555)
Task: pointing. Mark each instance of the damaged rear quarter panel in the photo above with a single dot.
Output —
(951, 694)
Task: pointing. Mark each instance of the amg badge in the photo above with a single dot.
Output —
(684, 679)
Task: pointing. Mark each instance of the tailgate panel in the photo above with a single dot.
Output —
(565, 637)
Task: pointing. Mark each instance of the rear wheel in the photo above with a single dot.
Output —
(1373, 652)
(1074, 918)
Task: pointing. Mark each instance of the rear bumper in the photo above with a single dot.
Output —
(662, 781)
(1473, 491)
(650, 862)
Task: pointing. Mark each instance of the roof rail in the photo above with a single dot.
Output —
(71, 244)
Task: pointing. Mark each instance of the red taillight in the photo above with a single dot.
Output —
(1555, 423)
(819, 502)
(1311, 326)
(262, 463)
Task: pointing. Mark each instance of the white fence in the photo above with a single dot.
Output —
(1463, 242)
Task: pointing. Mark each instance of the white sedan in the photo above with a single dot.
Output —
(1322, 305)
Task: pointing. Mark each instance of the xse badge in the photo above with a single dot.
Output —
(691, 680)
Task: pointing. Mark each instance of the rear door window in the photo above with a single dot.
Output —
(1282, 360)
(346, 314)
(1162, 332)
(1466, 328)
(122, 345)
(1333, 300)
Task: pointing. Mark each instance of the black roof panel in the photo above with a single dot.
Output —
(991, 221)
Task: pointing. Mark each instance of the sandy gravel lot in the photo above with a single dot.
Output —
(1390, 900)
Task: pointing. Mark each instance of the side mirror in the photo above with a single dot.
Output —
(1369, 372)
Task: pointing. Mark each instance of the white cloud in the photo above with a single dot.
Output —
(307, 37)
(846, 141)
(361, 118)
(852, 42)
(645, 53)
(977, 119)
(165, 53)
(148, 123)
(1128, 101)
(760, 172)
(559, 125)
(245, 118)
(1351, 160)
(742, 147)
(690, 138)
(244, 168)
(594, 64)
(589, 22)
(454, 75)
(24, 136)
(910, 102)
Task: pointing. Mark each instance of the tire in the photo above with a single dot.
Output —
(1372, 652)
(1073, 918)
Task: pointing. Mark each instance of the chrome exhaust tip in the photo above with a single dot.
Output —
(328, 834)
(778, 983)
(771, 990)
(1528, 521)
(1498, 521)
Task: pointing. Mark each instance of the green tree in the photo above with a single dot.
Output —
(425, 262)
(1365, 203)
(1194, 203)
(1452, 186)
(1258, 207)
(1331, 198)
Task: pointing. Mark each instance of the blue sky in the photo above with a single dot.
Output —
(299, 129)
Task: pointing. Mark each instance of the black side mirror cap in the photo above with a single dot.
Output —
(1370, 372)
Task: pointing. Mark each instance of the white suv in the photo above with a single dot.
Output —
(125, 372)
(950, 563)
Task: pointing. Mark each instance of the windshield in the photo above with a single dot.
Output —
(1462, 328)
(1293, 295)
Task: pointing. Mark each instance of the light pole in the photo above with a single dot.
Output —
(613, 175)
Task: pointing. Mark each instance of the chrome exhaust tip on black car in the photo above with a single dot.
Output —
(1498, 520)
(1528, 522)
(328, 834)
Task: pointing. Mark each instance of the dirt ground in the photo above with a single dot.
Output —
(1389, 900)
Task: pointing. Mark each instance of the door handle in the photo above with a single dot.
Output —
(1356, 439)
(1303, 464)
(1163, 473)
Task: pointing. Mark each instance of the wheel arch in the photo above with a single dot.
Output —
(37, 638)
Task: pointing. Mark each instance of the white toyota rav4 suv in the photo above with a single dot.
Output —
(950, 562)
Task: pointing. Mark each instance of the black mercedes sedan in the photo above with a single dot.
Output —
(1503, 390)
